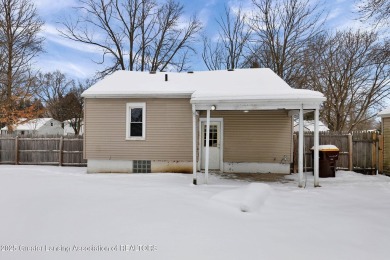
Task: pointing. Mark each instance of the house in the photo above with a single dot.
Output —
(228, 121)
(385, 115)
(308, 126)
(37, 126)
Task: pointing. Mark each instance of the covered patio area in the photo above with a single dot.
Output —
(229, 122)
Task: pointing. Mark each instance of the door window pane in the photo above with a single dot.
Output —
(213, 141)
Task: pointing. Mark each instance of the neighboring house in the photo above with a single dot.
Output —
(37, 126)
(308, 126)
(157, 122)
(385, 115)
(68, 128)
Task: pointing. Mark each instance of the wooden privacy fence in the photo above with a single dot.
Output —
(360, 151)
(42, 150)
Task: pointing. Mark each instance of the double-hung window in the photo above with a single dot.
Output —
(135, 121)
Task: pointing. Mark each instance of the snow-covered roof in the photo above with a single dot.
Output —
(33, 124)
(308, 125)
(385, 112)
(214, 86)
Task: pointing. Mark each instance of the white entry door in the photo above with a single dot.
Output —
(214, 144)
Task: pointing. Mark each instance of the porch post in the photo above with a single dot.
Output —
(206, 164)
(316, 143)
(194, 145)
(300, 148)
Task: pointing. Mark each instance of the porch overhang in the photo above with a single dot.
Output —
(248, 99)
(275, 104)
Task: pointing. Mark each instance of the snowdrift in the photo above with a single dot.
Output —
(247, 199)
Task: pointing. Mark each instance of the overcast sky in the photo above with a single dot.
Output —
(77, 60)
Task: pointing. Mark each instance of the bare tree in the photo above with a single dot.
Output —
(231, 48)
(377, 10)
(20, 44)
(282, 29)
(135, 34)
(52, 87)
(350, 68)
(213, 55)
(76, 104)
(2, 40)
(62, 97)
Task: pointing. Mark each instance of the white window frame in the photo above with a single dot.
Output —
(130, 106)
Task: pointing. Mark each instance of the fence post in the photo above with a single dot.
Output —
(350, 152)
(60, 152)
(16, 150)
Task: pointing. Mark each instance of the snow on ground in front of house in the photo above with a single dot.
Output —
(347, 218)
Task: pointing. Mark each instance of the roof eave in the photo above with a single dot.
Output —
(384, 115)
(138, 95)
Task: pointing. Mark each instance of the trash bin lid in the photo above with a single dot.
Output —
(328, 147)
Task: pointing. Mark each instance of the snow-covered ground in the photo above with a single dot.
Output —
(64, 213)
